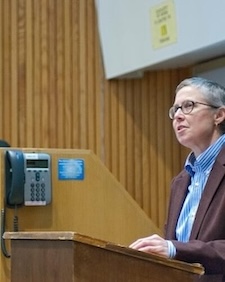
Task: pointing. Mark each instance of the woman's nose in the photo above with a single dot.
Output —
(178, 114)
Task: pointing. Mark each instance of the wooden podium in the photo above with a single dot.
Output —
(71, 257)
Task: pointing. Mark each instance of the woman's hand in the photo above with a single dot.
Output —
(152, 244)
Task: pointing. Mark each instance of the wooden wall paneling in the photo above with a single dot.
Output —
(130, 138)
(91, 89)
(97, 78)
(29, 74)
(52, 107)
(153, 108)
(145, 109)
(37, 140)
(44, 74)
(22, 74)
(169, 136)
(6, 91)
(107, 125)
(14, 73)
(122, 133)
(160, 146)
(114, 127)
(60, 74)
(137, 123)
(75, 78)
(83, 72)
(99, 96)
(68, 73)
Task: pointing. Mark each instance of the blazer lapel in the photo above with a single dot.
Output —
(211, 187)
(179, 193)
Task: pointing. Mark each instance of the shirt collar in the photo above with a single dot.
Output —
(205, 160)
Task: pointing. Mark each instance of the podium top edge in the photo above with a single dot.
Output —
(55, 235)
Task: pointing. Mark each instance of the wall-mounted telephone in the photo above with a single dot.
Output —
(27, 182)
(27, 178)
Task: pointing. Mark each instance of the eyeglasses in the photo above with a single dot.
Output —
(186, 107)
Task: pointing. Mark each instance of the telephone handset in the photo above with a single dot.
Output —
(14, 178)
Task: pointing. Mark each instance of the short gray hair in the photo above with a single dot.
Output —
(213, 92)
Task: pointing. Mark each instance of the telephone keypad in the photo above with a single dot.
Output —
(37, 186)
(37, 194)
(38, 179)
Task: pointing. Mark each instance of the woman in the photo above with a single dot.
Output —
(195, 229)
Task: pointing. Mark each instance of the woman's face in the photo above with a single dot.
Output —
(196, 130)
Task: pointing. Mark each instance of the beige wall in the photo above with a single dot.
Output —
(53, 94)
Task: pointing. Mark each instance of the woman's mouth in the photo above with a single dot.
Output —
(180, 128)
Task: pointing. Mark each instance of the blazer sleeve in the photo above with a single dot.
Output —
(210, 254)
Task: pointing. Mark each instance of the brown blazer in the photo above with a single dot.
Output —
(207, 239)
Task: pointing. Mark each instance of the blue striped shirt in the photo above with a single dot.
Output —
(199, 169)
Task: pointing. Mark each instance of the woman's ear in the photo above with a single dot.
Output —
(220, 115)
